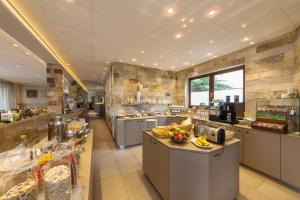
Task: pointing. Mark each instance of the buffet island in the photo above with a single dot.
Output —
(185, 171)
(56, 167)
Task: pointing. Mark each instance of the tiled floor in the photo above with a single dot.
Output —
(118, 174)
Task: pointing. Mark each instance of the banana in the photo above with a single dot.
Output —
(202, 141)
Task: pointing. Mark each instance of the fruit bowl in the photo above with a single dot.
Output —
(179, 136)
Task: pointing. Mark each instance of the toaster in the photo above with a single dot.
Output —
(215, 135)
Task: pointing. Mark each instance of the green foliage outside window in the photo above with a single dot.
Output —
(202, 85)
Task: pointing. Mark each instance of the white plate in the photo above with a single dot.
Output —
(203, 147)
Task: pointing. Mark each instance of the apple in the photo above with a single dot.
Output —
(180, 137)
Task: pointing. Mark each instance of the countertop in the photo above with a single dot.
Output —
(189, 146)
(27, 119)
(85, 169)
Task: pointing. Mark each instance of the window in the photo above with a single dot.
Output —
(229, 84)
(218, 85)
(7, 100)
(199, 91)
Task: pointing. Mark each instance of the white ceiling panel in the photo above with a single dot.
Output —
(17, 66)
(88, 33)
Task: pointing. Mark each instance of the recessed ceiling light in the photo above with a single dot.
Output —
(244, 25)
(155, 64)
(142, 52)
(192, 20)
(70, 1)
(215, 56)
(143, 64)
(160, 56)
(176, 59)
(15, 45)
(209, 54)
(172, 67)
(190, 52)
(183, 25)
(105, 68)
(186, 63)
(246, 39)
(211, 13)
(171, 11)
(178, 35)
(183, 19)
(252, 43)
(133, 59)
(19, 66)
(27, 53)
(211, 41)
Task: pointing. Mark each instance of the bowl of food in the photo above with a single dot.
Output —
(160, 132)
(179, 136)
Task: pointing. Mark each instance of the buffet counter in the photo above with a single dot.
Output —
(188, 172)
(30, 131)
(85, 170)
(60, 170)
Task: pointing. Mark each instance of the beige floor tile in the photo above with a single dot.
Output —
(278, 191)
(145, 192)
(121, 154)
(128, 165)
(137, 153)
(103, 171)
(251, 178)
(134, 180)
(111, 189)
(249, 193)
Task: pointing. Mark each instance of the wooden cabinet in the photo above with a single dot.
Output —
(290, 162)
(262, 151)
(156, 167)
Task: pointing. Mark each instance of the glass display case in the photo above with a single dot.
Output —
(277, 115)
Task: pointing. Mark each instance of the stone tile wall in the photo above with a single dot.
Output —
(158, 86)
(55, 88)
(270, 68)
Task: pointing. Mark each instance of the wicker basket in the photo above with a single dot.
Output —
(187, 128)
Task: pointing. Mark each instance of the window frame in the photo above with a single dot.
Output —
(211, 77)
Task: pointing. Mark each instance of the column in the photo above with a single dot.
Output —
(55, 88)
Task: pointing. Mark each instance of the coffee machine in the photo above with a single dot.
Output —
(228, 113)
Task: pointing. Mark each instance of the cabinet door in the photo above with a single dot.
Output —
(239, 134)
(120, 133)
(262, 151)
(148, 158)
(132, 132)
(156, 164)
(290, 162)
(160, 178)
(142, 128)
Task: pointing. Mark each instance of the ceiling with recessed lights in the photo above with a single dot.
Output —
(172, 35)
(18, 64)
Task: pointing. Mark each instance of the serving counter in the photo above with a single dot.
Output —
(85, 170)
(188, 172)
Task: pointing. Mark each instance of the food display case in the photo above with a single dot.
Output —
(277, 115)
